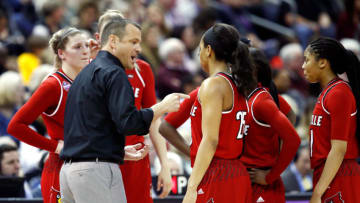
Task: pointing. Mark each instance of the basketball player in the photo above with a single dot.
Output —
(218, 120)
(334, 132)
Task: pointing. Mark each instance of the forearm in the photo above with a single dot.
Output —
(332, 165)
(172, 135)
(24, 133)
(289, 144)
(203, 159)
(159, 143)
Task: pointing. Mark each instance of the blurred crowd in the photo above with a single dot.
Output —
(171, 31)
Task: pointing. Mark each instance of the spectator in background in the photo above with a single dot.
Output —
(10, 167)
(348, 23)
(156, 16)
(174, 68)
(292, 58)
(11, 97)
(88, 14)
(150, 45)
(9, 160)
(281, 78)
(52, 16)
(30, 60)
(3, 58)
(298, 177)
(9, 34)
(234, 12)
(25, 17)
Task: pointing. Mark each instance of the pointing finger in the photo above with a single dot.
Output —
(185, 96)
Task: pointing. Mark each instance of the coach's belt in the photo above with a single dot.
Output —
(72, 160)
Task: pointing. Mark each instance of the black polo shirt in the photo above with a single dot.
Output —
(100, 111)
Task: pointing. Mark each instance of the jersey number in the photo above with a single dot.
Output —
(240, 116)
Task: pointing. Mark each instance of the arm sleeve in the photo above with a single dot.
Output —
(266, 110)
(45, 97)
(176, 119)
(284, 106)
(341, 104)
(120, 101)
(149, 96)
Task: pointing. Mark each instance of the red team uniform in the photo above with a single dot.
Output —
(226, 179)
(262, 149)
(137, 174)
(334, 118)
(49, 102)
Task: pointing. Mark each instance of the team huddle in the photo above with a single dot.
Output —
(101, 98)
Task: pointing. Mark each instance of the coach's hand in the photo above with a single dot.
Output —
(258, 176)
(135, 152)
(172, 101)
(190, 196)
(164, 182)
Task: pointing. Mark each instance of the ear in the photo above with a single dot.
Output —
(61, 54)
(323, 63)
(112, 41)
(208, 50)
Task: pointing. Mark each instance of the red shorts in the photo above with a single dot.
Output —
(225, 181)
(50, 187)
(137, 180)
(273, 193)
(345, 186)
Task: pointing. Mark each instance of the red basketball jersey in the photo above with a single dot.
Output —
(262, 143)
(141, 79)
(334, 117)
(232, 126)
(54, 116)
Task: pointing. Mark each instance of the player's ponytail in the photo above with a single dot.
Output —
(341, 61)
(225, 42)
(353, 74)
(242, 69)
(263, 72)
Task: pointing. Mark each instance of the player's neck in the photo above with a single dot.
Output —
(217, 66)
(326, 78)
(71, 72)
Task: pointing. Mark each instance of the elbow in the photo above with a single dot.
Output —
(340, 149)
(213, 142)
(11, 128)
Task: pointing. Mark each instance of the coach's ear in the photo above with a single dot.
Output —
(112, 41)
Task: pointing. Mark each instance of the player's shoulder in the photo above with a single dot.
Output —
(51, 79)
(339, 90)
(143, 65)
(260, 94)
(50, 83)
